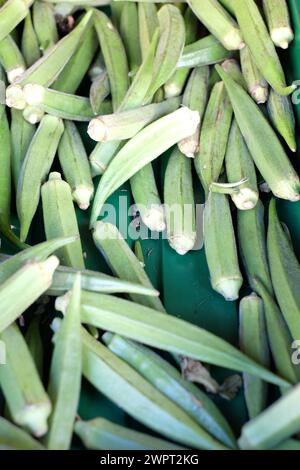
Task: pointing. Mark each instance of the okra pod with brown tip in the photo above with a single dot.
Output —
(257, 85)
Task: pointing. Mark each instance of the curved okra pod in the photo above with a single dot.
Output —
(256, 84)
(278, 20)
(26, 398)
(213, 136)
(15, 438)
(125, 124)
(205, 51)
(257, 38)
(253, 342)
(285, 271)
(114, 56)
(65, 374)
(11, 14)
(167, 379)
(252, 245)
(99, 433)
(140, 399)
(270, 158)
(29, 43)
(123, 261)
(35, 167)
(22, 133)
(148, 24)
(75, 165)
(281, 113)
(195, 98)
(179, 203)
(129, 31)
(165, 332)
(152, 142)
(99, 90)
(220, 247)
(218, 22)
(11, 59)
(44, 24)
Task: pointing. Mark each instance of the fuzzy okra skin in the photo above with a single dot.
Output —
(282, 116)
(11, 58)
(139, 398)
(277, 423)
(44, 24)
(220, 247)
(29, 43)
(257, 38)
(213, 136)
(167, 379)
(26, 398)
(75, 165)
(129, 31)
(253, 342)
(14, 438)
(164, 332)
(205, 51)
(285, 271)
(123, 261)
(218, 22)
(179, 203)
(60, 219)
(11, 14)
(152, 141)
(257, 85)
(35, 167)
(262, 142)
(100, 434)
(278, 20)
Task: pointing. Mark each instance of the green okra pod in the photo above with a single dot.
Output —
(26, 398)
(129, 31)
(179, 203)
(11, 14)
(262, 142)
(11, 59)
(29, 43)
(165, 332)
(153, 140)
(44, 24)
(102, 155)
(168, 381)
(195, 98)
(148, 24)
(35, 167)
(256, 84)
(275, 424)
(218, 21)
(229, 5)
(33, 114)
(21, 133)
(257, 38)
(278, 20)
(99, 90)
(60, 219)
(281, 113)
(75, 165)
(14, 438)
(285, 271)
(114, 57)
(213, 136)
(289, 444)
(252, 245)
(253, 342)
(231, 66)
(205, 51)
(123, 261)
(35, 344)
(100, 434)
(220, 247)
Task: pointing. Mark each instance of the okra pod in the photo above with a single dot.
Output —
(148, 23)
(278, 20)
(33, 114)
(257, 38)
(231, 66)
(282, 117)
(11, 14)
(213, 136)
(26, 398)
(100, 434)
(289, 444)
(75, 165)
(123, 261)
(271, 160)
(257, 85)
(99, 90)
(35, 345)
(44, 24)
(179, 203)
(275, 424)
(11, 59)
(229, 5)
(22, 133)
(165, 332)
(168, 381)
(218, 21)
(285, 271)
(114, 56)
(102, 155)
(65, 374)
(252, 245)
(205, 51)
(220, 247)
(35, 167)
(29, 43)
(195, 98)
(126, 124)
(60, 219)
(254, 343)
(14, 438)
(153, 140)
(129, 31)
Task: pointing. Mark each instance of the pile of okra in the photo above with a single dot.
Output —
(202, 79)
